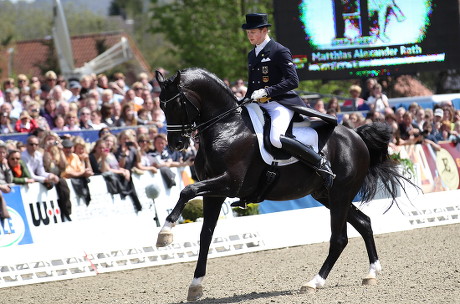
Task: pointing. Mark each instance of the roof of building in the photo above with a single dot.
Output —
(29, 54)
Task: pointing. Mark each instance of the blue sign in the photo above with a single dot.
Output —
(15, 230)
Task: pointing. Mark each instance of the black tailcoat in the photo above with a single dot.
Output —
(274, 71)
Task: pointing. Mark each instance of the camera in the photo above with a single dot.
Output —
(129, 144)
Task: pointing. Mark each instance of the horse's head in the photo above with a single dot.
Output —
(181, 113)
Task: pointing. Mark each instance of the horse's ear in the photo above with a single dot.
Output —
(160, 78)
(176, 80)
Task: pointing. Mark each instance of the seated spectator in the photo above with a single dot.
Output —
(445, 129)
(53, 156)
(75, 88)
(25, 124)
(91, 104)
(85, 119)
(72, 123)
(5, 124)
(427, 132)
(110, 141)
(399, 113)
(408, 130)
(107, 96)
(66, 93)
(355, 100)
(146, 162)
(6, 108)
(59, 123)
(96, 122)
(102, 82)
(34, 110)
(21, 174)
(11, 98)
(57, 93)
(116, 112)
(63, 108)
(333, 104)
(126, 153)
(6, 177)
(143, 117)
(448, 115)
(98, 157)
(413, 107)
(75, 167)
(128, 116)
(144, 79)
(107, 115)
(33, 158)
(80, 148)
(23, 83)
(419, 118)
(319, 106)
(377, 101)
(138, 88)
(164, 157)
(51, 79)
(50, 112)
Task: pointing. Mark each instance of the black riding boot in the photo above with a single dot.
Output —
(308, 156)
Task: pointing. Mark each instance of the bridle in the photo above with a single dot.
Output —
(190, 126)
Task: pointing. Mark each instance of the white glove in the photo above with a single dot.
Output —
(258, 94)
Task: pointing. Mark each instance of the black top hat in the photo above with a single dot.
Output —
(254, 21)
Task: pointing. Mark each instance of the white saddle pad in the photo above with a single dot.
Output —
(301, 130)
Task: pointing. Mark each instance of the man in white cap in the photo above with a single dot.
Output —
(272, 79)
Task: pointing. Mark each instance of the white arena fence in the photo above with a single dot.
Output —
(108, 235)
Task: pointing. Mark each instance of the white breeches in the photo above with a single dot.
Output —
(281, 118)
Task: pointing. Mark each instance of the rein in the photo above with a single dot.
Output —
(190, 127)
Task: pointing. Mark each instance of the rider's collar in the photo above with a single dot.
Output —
(261, 46)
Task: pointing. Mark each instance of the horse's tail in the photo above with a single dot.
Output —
(377, 137)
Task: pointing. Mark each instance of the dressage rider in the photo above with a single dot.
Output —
(272, 79)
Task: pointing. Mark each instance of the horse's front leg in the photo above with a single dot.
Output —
(211, 211)
(218, 187)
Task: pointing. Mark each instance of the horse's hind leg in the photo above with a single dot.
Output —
(362, 223)
(337, 244)
(211, 211)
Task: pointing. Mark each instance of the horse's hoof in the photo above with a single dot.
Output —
(369, 281)
(307, 289)
(194, 293)
(164, 239)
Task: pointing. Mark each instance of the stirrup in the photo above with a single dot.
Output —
(325, 168)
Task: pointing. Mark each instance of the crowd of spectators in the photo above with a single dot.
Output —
(45, 108)
(413, 125)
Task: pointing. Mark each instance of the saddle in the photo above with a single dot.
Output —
(301, 128)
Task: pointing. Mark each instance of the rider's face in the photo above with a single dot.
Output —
(256, 36)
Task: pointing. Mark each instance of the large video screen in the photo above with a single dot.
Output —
(340, 39)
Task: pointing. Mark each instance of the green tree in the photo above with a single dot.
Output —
(207, 33)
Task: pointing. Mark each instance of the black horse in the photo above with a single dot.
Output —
(229, 164)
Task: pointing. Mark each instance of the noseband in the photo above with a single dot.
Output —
(190, 126)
